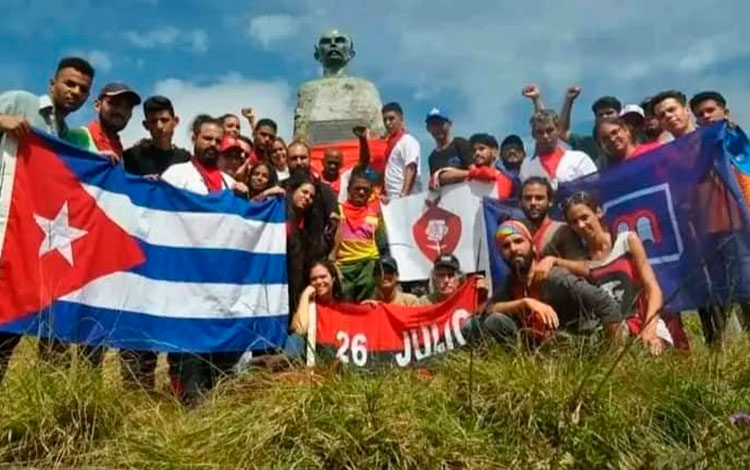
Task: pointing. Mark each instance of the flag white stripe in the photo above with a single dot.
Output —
(190, 229)
(7, 175)
(131, 292)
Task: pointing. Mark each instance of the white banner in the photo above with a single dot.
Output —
(425, 225)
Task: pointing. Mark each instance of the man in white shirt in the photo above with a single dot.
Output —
(194, 374)
(402, 155)
(552, 161)
(202, 174)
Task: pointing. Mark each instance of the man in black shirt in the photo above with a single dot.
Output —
(153, 156)
(449, 152)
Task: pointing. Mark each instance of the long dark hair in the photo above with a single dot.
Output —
(296, 179)
(337, 290)
(273, 177)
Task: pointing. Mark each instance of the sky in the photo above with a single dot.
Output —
(471, 57)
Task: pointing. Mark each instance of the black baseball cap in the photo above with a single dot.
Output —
(484, 139)
(447, 261)
(386, 264)
(512, 139)
(117, 89)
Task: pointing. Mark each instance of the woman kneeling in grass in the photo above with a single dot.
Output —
(619, 265)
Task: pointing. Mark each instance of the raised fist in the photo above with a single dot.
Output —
(361, 132)
(531, 91)
(572, 92)
(248, 113)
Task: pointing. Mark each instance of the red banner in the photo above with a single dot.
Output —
(363, 334)
(350, 152)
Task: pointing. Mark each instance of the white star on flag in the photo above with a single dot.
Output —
(58, 234)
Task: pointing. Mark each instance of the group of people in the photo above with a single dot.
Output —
(337, 250)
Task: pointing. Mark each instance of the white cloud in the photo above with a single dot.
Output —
(198, 40)
(477, 59)
(268, 29)
(272, 99)
(99, 59)
(168, 37)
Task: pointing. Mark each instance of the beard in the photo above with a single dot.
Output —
(113, 124)
(521, 265)
(208, 156)
(536, 215)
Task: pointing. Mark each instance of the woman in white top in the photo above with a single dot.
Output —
(278, 159)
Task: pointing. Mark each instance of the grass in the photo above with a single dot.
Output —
(492, 410)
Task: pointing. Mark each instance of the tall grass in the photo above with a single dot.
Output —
(518, 410)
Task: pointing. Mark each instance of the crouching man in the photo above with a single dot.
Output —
(540, 306)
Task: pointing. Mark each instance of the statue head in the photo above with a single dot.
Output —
(334, 50)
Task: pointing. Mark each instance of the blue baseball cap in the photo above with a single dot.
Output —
(437, 114)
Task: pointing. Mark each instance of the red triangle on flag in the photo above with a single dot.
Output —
(57, 238)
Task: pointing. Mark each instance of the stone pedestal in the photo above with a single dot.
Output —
(328, 108)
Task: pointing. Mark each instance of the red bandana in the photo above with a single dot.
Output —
(211, 176)
(551, 161)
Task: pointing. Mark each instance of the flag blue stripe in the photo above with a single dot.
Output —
(79, 323)
(208, 265)
(159, 195)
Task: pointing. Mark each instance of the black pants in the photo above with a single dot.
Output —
(193, 375)
(53, 351)
(8, 342)
(139, 367)
(714, 323)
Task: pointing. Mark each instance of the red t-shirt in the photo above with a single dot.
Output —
(643, 148)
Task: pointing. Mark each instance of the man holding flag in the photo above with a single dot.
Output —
(21, 111)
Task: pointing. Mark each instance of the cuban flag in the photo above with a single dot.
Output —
(90, 254)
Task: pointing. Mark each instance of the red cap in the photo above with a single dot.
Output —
(229, 142)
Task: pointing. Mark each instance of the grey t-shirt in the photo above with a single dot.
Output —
(38, 110)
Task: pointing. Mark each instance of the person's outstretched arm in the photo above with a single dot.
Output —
(567, 108)
(302, 315)
(532, 92)
(363, 134)
(654, 298)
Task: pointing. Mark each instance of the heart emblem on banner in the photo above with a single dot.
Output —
(437, 231)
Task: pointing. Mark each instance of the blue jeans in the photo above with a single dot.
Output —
(295, 346)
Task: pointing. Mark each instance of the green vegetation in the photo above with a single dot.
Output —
(491, 409)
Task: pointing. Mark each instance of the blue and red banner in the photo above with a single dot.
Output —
(684, 201)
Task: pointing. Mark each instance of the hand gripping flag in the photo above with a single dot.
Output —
(90, 254)
(684, 202)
